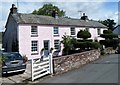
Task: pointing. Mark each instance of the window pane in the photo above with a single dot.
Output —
(56, 44)
(34, 46)
(99, 31)
(56, 30)
(72, 31)
(34, 30)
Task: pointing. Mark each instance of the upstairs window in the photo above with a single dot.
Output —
(72, 29)
(56, 44)
(98, 31)
(34, 30)
(56, 30)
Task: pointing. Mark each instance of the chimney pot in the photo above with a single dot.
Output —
(84, 17)
(55, 14)
(13, 10)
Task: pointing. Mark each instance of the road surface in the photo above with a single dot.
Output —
(104, 70)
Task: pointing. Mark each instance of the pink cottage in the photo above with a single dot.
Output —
(30, 34)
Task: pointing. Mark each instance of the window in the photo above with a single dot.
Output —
(56, 31)
(87, 29)
(34, 46)
(34, 30)
(98, 31)
(56, 44)
(72, 31)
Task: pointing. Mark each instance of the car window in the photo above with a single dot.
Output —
(12, 57)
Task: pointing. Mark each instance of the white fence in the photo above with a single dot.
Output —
(41, 67)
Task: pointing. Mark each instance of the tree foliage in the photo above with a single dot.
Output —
(107, 34)
(68, 43)
(109, 23)
(83, 34)
(47, 10)
(111, 40)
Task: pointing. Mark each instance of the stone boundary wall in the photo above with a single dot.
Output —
(65, 63)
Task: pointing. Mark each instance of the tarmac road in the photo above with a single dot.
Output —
(104, 70)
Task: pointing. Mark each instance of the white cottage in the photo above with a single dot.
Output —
(29, 33)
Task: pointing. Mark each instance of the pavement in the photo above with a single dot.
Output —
(104, 70)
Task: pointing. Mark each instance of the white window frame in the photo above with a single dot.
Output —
(34, 30)
(57, 44)
(55, 29)
(72, 32)
(34, 46)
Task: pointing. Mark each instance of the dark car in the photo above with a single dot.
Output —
(12, 62)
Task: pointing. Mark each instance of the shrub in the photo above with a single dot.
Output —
(109, 36)
(107, 31)
(95, 45)
(110, 43)
(83, 34)
(83, 45)
(68, 43)
(2, 58)
(90, 40)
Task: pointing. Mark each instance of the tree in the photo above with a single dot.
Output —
(83, 34)
(109, 23)
(47, 10)
(68, 43)
(111, 40)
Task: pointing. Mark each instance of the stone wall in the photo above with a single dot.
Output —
(65, 63)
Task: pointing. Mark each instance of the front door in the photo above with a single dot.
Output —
(46, 47)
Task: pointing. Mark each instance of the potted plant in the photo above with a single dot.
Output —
(42, 50)
(51, 49)
(25, 59)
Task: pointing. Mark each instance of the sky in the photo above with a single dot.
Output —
(94, 9)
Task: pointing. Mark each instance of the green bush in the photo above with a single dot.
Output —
(83, 34)
(109, 36)
(68, 43)
(90, 40)
(95, 45)
(2, 58)
(107, 31)
(110, 43)
(83, 45)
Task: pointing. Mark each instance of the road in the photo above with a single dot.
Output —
(104, 70)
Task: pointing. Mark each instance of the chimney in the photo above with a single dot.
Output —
(13, 10)
(55, 14)
(84, 17)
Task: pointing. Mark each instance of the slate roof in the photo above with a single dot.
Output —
(117, 30)
(61, 21)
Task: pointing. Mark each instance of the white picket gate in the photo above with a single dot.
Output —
(41, 67)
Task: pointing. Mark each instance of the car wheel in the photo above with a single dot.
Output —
(23, 71)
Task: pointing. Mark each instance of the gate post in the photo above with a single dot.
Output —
(32, 72)
(51, 63)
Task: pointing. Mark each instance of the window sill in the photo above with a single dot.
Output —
(56, 35)
(73, 36)
(34, 35)
(34, 53)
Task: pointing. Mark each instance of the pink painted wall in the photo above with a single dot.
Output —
(44, 33)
